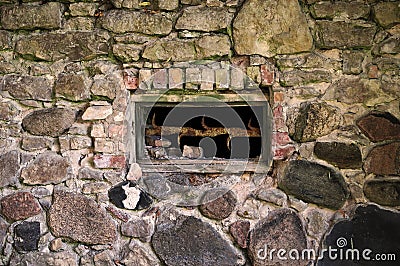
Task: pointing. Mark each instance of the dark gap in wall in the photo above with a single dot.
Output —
(209, 131)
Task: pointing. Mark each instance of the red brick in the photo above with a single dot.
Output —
(104, 161)
(281, 153)
(279, 119)
(281, 138)
(267, 75)
(131, 82)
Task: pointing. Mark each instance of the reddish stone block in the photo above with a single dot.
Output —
(241, 62)
(281, 138)
(282, 153)
(267, 75)
(104, 161)
(130, 82)
(19, 206)
(279, 118)
(383, 160)
(115, 131)
(239, 231)
(378, 126)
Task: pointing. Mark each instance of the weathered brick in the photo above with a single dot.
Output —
(373, 72)
(97, 131)
(160, 79)
(282, 153)
(193, 78)
(281, 138)
(267, 75)
(222, 78)
(175, 78)
(207, 79)
(97, 112)
(104, 145)
(237, 79)
(104, 161)
(145, 78)
(80, 142)
(115, 131)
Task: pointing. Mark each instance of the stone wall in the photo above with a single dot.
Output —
(331, 70)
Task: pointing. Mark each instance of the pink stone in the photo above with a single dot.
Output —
(241, 62)
(160, 79)
(115, 131)
(104, 161)
(267, 75)
(240, 230)
(19, 206)
(282, 153)
(279, 119)
(281, 138)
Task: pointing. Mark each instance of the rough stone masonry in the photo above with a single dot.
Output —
(330, 69)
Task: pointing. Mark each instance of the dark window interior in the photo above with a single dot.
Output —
(205, 127)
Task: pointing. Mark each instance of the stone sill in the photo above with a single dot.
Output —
(204, 166)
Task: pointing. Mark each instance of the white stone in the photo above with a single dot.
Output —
(97, 112)
(135, 172)
(132, 197)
